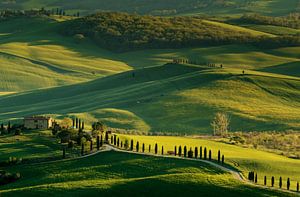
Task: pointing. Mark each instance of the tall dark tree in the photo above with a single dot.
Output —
(118, 142)
(265, 180)
(175, 151)
(79, 123)
(223, 159)
(115, 140)
(272, 181)
(98, 142)
(73, 122)
(149, 148)
(156, 149)
(297, 187)
(76, 123)
(219, 156)
(143, 148)
(179, 151)
(184, 151)
(101, 141)
(121, 144)
(91, 145)
(82, 148)
(190, 153)
(288, 184)
(106, 137)
(196, 152)
(111, 139)
(131, 145)
(200, 151)
(209, 155)
(162, 150)
(255, 180)
(137, 146)
(280, 182)
(2, 127)
(205, 153)
(82, 125)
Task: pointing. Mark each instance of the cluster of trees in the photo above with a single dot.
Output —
(16, 129)
(8, 13)
(292, 20)
(6, 177)
(125, 32)
(122, 32)
(195, 62)
(220, 124)
(252, 176)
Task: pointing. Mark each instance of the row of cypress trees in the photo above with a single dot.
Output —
(252, 176)
(78, 123)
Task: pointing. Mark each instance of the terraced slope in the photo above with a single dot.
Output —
(174, 98)
(116, 174)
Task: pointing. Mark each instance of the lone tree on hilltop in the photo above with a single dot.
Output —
(220, 124)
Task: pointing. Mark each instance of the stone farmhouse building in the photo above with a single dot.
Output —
(38, 122)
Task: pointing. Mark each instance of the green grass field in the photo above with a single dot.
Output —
(116, 174)
(243, 159)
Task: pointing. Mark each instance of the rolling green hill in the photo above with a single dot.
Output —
(170, 98)
(162, 7)
(116, 174)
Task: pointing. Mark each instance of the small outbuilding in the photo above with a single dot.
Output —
(38, 122)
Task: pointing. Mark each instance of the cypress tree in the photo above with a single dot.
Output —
(118, 142)
(121, 144)
(288, 184)
(184, 151)
(205, 153)
(79, 123)
(131, 145)
(196, 152)
(98, 142)
(149, 148)
(82, 149)
(73, 122)
(255, 178)
(91, 146)
(265, 180)
(162, 150)
(190, 153)
(219, 156)
(297, 186)
(200, 152)
(115, 140)
(143, 148)
(76, 123)
(156, 148)
(209, 155)
(280, 182)
(82, 126)
(175, 151)
(101, 141)
(2, 127)
(179, 151)
(137, 146)
(272, 181)
(106, 137)
(111, 139)
(8, 127)
(223, 159)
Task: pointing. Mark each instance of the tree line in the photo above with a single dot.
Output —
(125, 32)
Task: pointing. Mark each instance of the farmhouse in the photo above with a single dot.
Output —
(38, 122)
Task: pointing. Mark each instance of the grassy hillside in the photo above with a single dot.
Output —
(33, 55)
(116, 174)
(171, 98)
(162, 7)
(244, 159)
